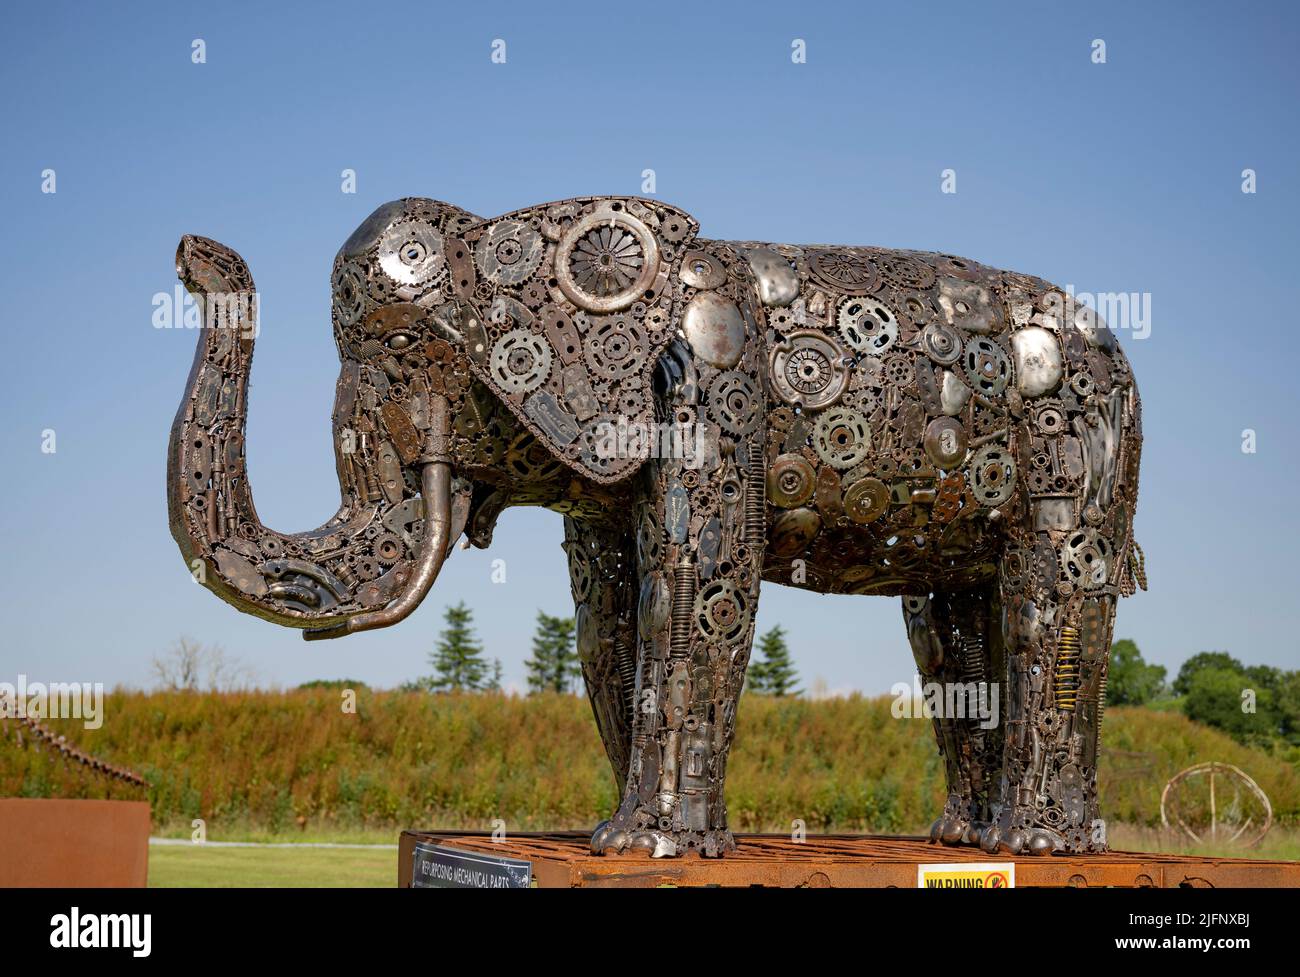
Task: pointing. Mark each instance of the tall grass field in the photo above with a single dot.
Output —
(270, 763)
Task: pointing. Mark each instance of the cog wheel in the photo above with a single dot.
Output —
(842, 438)
(410, 253)
(734, 402)
(845, 271)
(899, 370)
(615, 347)
(520, 361)
(903, 271)
(1086, 558)
(534, 295)
(988, 368)
(349, 287)
(367, 568)
(674, 229)
(867, 324)
(721, 611)
(595, 446)
(992, 475)
(388, 549)
(509, 252)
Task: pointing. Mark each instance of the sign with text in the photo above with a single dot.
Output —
(438, 867)
(967, 875)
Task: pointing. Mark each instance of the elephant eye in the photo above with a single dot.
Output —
(399, 340)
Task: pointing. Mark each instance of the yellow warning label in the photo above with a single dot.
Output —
(967, 875)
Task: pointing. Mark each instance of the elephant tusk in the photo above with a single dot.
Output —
(435, 488)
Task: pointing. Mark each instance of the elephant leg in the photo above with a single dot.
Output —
(1058, 650)
(955, 640)
(1064, 567)
(602, 578)
(699, 549)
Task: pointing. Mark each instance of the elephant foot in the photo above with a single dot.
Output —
(610, 838)
(956, 831)
(957, 825)
(1031, 840)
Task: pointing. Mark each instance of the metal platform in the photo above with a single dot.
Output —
(564, 860)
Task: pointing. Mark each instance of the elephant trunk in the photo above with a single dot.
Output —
(367, 567)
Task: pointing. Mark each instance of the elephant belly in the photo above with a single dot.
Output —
(914, 555)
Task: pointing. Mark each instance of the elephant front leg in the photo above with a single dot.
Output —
(699, 577)
(602, 577)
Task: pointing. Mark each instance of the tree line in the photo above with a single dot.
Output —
(1257, 704)
(459, 663)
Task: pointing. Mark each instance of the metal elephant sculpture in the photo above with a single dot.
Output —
(707, 415)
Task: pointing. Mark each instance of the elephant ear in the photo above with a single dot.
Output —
(572, 305)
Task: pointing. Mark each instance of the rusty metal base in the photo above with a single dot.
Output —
(564, 860)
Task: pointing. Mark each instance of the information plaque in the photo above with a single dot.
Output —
(439, 867)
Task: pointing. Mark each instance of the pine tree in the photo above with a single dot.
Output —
(554, 664)
(494, 683)
(457, 658)
(774, 673)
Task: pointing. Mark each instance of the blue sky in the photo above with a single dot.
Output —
(1123, 176)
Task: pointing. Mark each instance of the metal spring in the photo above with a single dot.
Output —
(1067, 669)
(684, 581)
(625, 662)
(755, 515)
(972, 658)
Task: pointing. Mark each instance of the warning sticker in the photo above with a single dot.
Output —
(967, 875)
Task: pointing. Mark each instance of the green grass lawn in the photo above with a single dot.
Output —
(203, 866)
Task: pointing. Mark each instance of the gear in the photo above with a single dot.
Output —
(388, 549)
(988, 368)
(867, 324)
(841, 270)
(734, 402)
(992, 475)
(903, 271)
(1086, 559)
(509, 252)
(899, 370)
(721, 611)
(534, 295)
(842, 438)
(593, 445)
(615, 347)
(410, 253)
(349, 293)
(520, 361)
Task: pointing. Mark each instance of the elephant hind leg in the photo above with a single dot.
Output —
(1057, 662)
(956, 640)
(601, 578)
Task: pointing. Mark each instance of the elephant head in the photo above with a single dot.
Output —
(479, 360)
